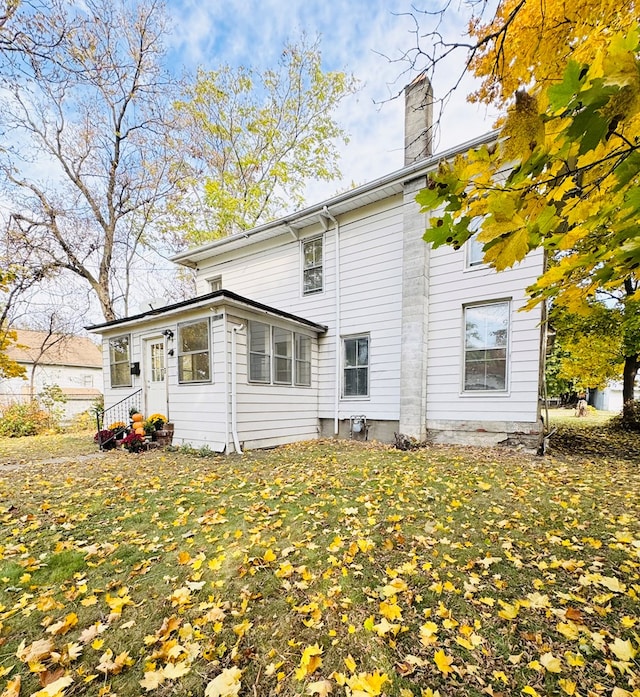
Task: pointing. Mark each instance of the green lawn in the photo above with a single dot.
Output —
(320, 568)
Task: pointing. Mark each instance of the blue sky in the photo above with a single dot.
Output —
(353, 34)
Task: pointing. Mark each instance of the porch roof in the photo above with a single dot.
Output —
(225, 298)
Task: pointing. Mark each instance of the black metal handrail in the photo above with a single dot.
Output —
(120, 411)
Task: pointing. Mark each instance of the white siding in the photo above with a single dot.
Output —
(370, 290)
(198, 410)
(269, 415)
(451, 287)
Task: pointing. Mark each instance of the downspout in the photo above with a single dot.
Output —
(336, 422)
(234, 399)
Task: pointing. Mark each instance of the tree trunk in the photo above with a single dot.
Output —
(629, 377)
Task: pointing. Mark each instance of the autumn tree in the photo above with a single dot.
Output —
(252, 139)
(564, 173)
(84, 151)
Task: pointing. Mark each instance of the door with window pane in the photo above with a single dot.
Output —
(155, 377)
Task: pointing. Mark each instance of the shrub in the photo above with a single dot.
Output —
(23, 419)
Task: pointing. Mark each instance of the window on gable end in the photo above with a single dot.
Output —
(312, 266)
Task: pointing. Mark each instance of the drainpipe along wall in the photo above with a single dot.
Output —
(234, 379)
(336, 420)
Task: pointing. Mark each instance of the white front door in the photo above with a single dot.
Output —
(155, 375)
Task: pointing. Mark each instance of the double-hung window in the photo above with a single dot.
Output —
(259, 352)
(282, 356)
(356, 367)
(474, 252)
(120, 361)
(303, 360)
(485, 347)
(312, 266)
(194, 353)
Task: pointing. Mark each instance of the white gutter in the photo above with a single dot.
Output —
(234, 405)
(336, 405)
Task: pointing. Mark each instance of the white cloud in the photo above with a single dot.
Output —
(365, 37)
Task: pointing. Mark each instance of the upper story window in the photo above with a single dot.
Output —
(356, 367)
(312, 266)
(214, 283)
(474, 254)
(485, 347)
(194, 353)
(120, 361)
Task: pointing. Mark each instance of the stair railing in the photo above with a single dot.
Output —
(120, 411)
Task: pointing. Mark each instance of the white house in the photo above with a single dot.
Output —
(73, 363)
(339, 320)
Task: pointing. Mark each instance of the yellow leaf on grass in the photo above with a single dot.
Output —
(321, 688)
(528, 690)
(551, 663)
(568, 686)
(36, 651)
(54, 689)
(366, 684)
(152, 680)
(13, 687)
(350, 663)
(63, 626)
(311, 660)
(443, 662)
(227, 684)
(173, 671)
(623, 650)
(391, 611)
(509, 612)
(575, 660)
(269, 556)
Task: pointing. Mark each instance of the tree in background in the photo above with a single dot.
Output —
(588, 350)
(251, 141)
(564, 174)
(84, 156)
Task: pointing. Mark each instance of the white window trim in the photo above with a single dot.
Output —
(354, 398)
(297, 360)
(188, 353)
(275, 356)
(128, 362)
(318, 291)
(269, 347)
(214, 280)
(463, 349)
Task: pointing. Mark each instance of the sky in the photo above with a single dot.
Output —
(365, 37)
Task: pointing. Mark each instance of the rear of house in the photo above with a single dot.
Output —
(339, 320)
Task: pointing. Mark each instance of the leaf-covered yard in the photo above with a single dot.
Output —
(321, 568)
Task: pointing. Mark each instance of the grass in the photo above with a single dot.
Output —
(322, 566)
(567, 417)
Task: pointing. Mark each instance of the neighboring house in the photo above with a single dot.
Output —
(73, 363)
(340, 320)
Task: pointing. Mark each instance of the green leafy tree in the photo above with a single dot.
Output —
(251, 140)
(564, 173)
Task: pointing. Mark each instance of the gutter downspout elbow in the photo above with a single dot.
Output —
(234, 391)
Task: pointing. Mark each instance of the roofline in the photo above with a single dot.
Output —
(408, 172)
(222, 296)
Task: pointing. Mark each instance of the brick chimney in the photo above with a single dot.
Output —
(418, 120)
